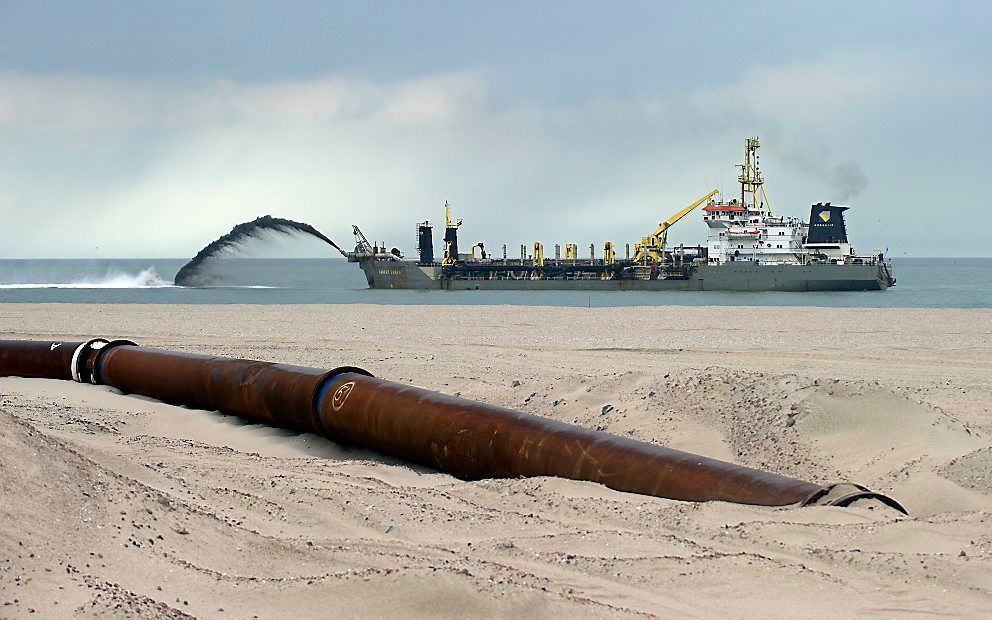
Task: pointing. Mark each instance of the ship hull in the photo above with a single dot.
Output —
(733, 276)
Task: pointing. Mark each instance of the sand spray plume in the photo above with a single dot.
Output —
(191, 273)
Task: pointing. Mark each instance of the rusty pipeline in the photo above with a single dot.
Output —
(467, 439)
(37, 358)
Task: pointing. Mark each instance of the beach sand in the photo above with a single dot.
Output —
(114, 504)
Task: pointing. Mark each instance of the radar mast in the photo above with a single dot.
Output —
(751, 180)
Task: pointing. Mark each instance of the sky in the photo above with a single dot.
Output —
(148, 129)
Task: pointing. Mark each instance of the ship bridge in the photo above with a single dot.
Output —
(745, 229)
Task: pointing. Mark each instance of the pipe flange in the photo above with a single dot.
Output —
(79, 372)
(846, 493)
(320, 391)
(850, 498)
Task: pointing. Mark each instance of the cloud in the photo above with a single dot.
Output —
(162, 166)
(80, 104)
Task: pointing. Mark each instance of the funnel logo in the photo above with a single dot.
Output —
(825, 216)
(55, 345)
(341, 395)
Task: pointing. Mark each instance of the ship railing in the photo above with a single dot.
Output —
(864, 260)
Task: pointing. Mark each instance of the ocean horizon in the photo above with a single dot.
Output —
(937, 282)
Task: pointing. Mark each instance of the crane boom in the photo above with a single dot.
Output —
(652, 247)
(662, 233)
(361, 243)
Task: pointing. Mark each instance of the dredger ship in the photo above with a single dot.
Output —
(749, 248)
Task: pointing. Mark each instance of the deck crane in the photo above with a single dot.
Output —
(362, 245)
(652, 247)
(482, 250)
(364, 249)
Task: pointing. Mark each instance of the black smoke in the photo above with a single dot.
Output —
(191, 274)
(848, 180)
(844, 177)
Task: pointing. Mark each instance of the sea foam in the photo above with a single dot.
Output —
(146, 278)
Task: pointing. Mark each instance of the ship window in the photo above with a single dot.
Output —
(722, 234)
(780, 246)
(781, 232)
(741, 247)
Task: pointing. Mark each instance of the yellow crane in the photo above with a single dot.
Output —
(450, 222)
(538, 261)
(652, 247)
(609, 258)
(539, 253)
(450, 236)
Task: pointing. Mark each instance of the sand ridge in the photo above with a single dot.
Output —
(120, 505)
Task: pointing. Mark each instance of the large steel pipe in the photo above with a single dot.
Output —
(467, 439)
(263, 392)
(44, 359)
(473, 440)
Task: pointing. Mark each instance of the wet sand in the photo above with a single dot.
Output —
(113, 504)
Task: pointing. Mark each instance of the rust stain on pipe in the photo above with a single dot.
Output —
(261, 392)
(467, 439)
(473, 440)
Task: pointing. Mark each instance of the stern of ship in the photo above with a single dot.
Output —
(885, 277)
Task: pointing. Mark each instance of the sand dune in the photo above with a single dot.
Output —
(118, 505)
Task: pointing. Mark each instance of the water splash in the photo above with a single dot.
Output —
(146, 278)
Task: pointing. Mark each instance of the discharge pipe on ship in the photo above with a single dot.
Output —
(467, 439)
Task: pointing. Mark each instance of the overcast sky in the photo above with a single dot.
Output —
(147, 129)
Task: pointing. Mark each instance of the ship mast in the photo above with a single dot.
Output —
(750, 178)
(450, 236)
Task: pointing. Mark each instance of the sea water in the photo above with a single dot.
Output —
(922, 283)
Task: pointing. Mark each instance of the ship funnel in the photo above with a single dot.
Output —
(425, 243)
(826, 224)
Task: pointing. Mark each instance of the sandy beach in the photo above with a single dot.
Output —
(118, 505)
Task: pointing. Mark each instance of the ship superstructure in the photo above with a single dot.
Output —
(746, 228)
(748, 248)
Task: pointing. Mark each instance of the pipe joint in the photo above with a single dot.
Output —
(324, 386)
(81, 367)
(84, 366)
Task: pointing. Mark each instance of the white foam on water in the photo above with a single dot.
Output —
(146, 278)
(229, 286)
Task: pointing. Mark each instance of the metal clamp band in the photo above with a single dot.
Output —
(846, 493)
(78, 369)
